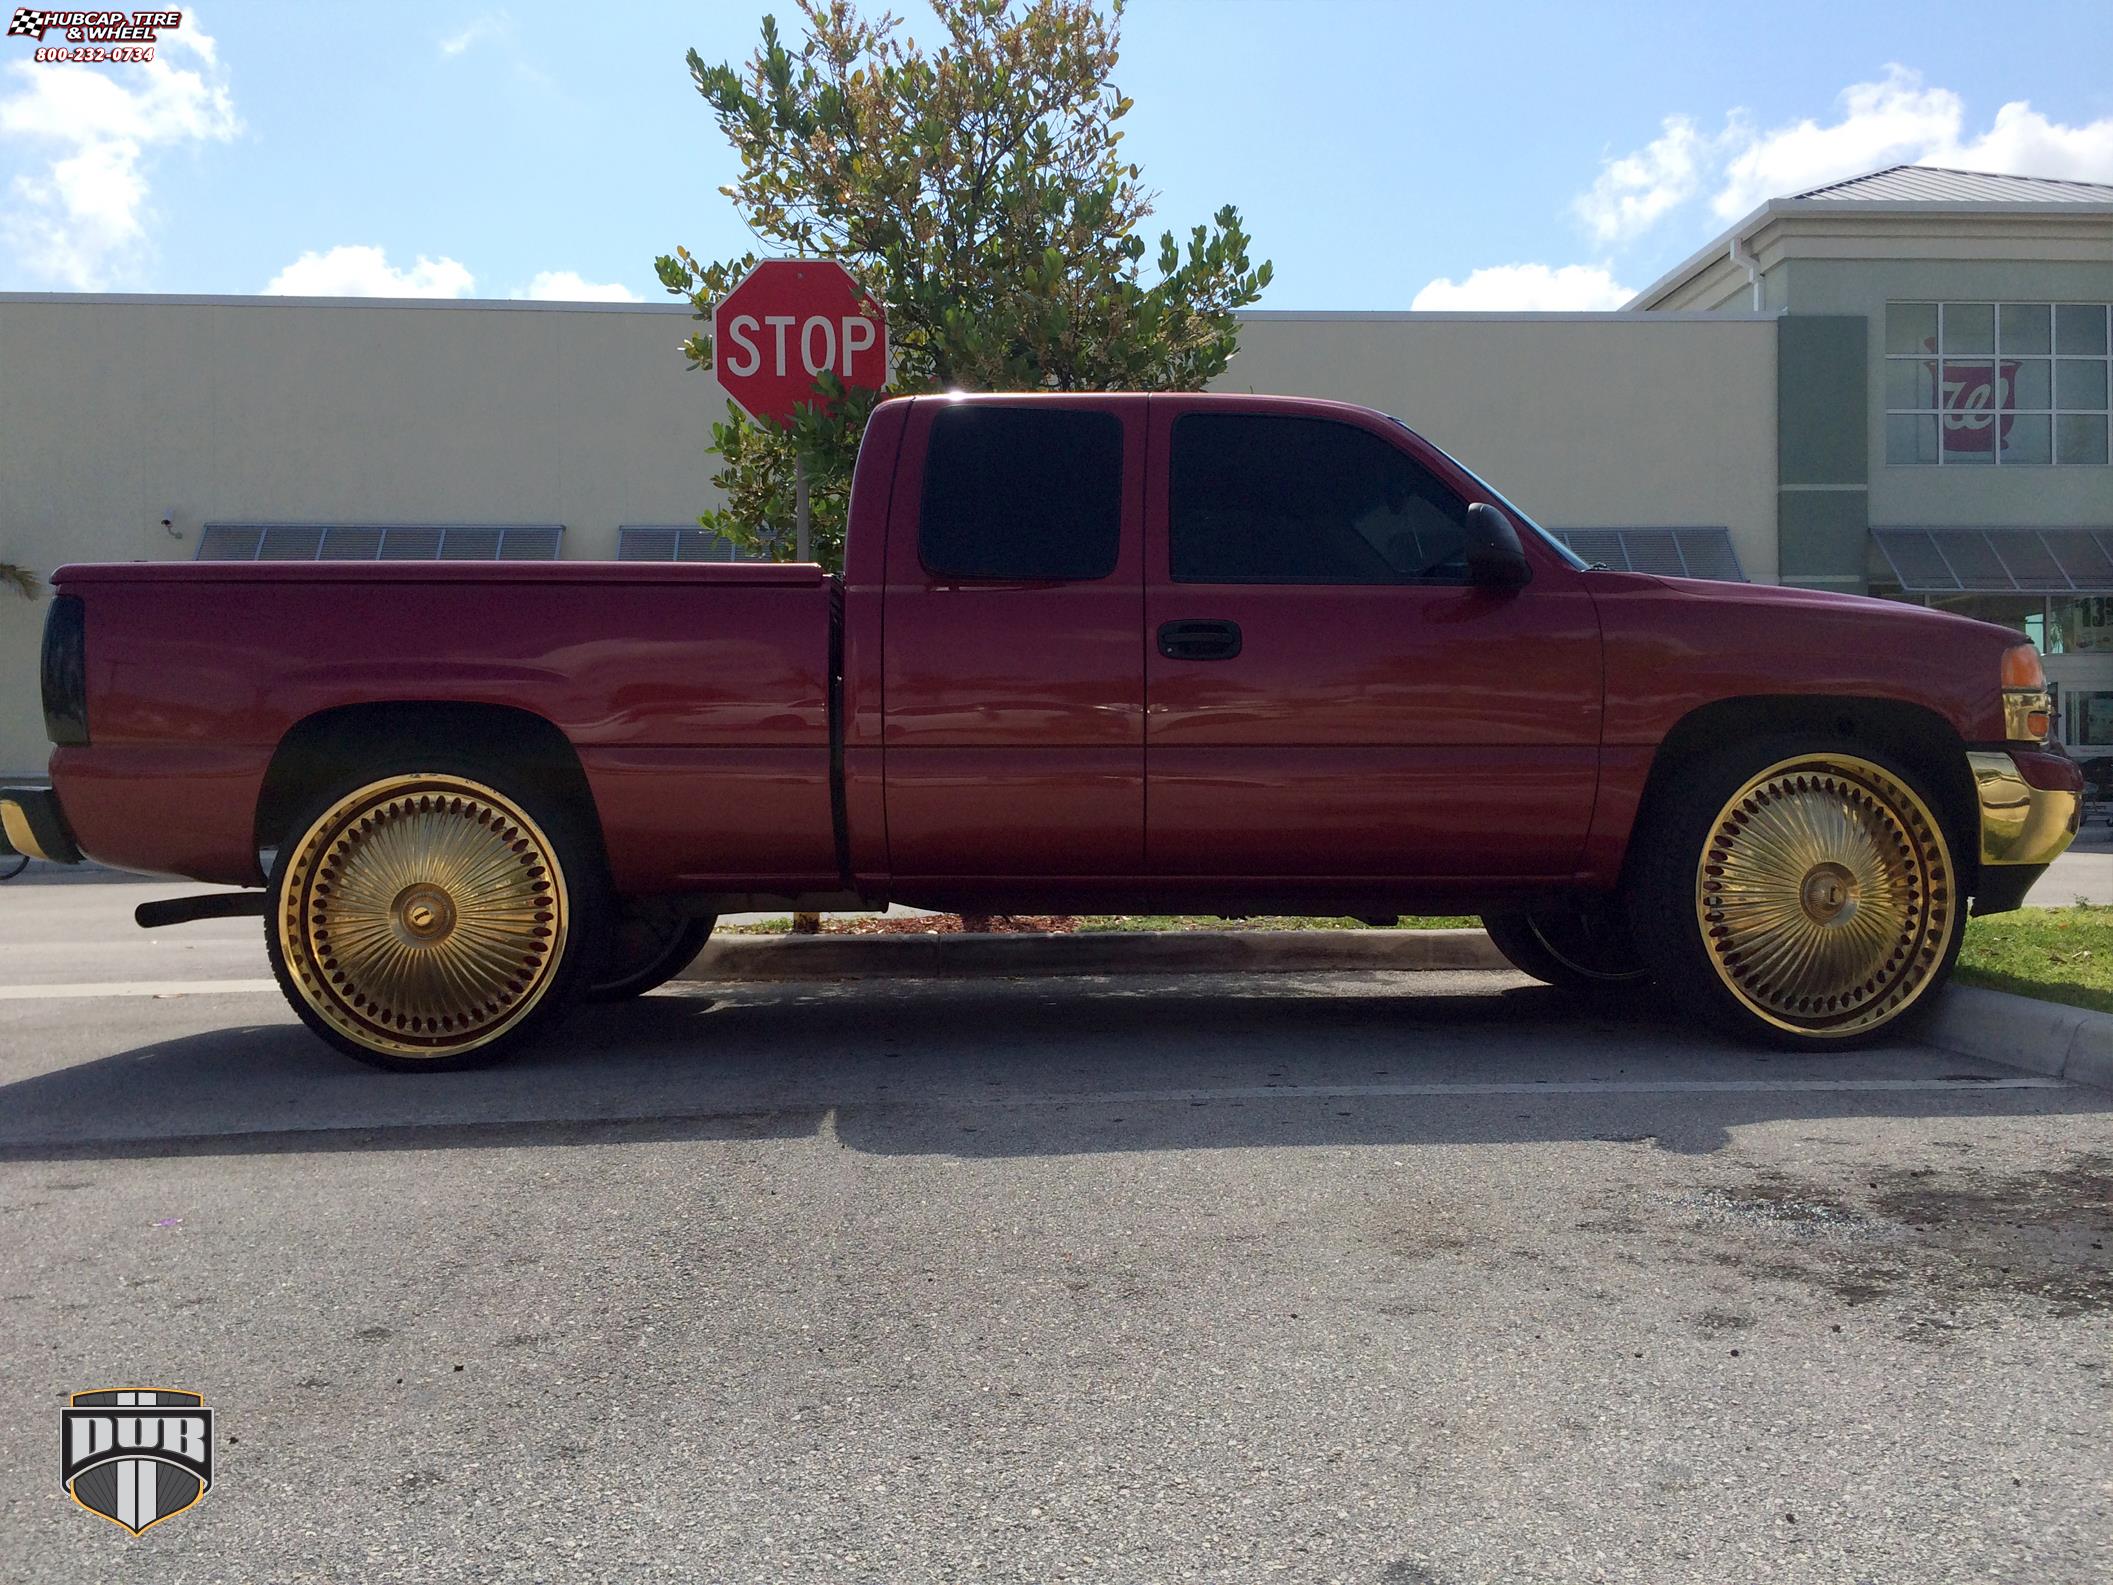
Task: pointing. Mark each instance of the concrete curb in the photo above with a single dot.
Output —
(2062, 1042)
(2020, 1032)
(1170, 952)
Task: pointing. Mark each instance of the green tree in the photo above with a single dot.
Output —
(978, 190)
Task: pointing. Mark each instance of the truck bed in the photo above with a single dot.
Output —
(697, 697)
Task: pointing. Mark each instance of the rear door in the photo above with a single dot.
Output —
(1328, 696)
(1013, 661)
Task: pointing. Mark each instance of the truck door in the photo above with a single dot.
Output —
(1327, 694)
(1014, 671)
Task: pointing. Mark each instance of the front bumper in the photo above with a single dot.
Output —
(33, 823)
(2030, 805)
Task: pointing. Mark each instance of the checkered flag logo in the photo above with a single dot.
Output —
(27, 24)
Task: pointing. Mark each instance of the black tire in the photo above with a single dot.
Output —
(648, 944)
(435, 913)
(1585, 950)
(1800, 891)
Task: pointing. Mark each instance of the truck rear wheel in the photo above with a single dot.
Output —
(1800, 891)
(648, 945)
(1584, 949)
(426, 919)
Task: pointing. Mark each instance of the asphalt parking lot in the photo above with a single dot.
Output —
(1396, 1279)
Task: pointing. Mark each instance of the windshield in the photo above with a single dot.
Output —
(1569, 556)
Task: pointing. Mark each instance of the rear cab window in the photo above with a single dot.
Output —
(1264, 499)
(1021, 494)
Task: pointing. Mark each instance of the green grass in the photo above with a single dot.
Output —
(2055, 954)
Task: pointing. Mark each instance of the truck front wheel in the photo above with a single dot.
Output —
(424, 918)
(1799, 890)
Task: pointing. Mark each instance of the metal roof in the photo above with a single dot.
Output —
(1899, 192)
(1664, 552)
(1999, 560)
(1938, 184)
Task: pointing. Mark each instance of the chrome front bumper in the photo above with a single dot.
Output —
(2031, 803)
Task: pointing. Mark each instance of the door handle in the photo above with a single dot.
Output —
(1199, 640)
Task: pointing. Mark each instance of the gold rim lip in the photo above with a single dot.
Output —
(297, 891)
(1930, 933)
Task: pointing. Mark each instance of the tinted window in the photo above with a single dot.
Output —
(1018, 492)
(1306, 500)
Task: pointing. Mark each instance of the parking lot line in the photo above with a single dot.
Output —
(1292, 1092)
(39, 993)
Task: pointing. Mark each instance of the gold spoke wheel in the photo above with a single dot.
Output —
(423, 916)
(1826, 895)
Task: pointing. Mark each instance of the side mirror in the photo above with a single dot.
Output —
(1495, 559)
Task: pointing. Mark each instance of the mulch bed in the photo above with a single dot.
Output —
(954, 925)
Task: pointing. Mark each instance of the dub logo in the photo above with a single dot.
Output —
(136, 1455)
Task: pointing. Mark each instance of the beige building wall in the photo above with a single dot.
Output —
(1583, 420)
(115, 412)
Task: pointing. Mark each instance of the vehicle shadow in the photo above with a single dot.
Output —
(1015, 1068)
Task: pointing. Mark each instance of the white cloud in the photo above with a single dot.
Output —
(84, 208)
(1897, 119)
(2022, 142)
(1521, 288)
(489, 26)
(367, 272)
(567, 286)
(1634, 191)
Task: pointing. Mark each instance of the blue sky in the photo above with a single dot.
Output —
(1385, 155)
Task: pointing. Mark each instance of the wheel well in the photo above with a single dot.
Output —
(1919, 737)
(333, 745)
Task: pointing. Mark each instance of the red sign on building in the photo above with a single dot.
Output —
(1976, 401)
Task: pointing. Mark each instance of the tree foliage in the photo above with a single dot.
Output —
(981, 192)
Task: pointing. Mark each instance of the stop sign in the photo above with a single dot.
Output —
(788, 321)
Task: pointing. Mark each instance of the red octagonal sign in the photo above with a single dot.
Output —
(786, 322)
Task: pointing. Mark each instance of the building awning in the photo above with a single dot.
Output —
(379, 542)
(1667, 552)
(1999, 560)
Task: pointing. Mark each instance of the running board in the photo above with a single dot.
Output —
(211, 905)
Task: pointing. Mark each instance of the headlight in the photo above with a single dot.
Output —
(2028, 717)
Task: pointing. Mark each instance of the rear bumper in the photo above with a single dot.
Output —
(2030, 804)
(33, 823)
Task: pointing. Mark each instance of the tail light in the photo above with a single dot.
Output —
(65, 671)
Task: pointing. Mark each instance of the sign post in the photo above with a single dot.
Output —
(787, 322)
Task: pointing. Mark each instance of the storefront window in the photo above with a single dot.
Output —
(1977, 384)
(2080, 625)
(2089, 718)
(2027, 613)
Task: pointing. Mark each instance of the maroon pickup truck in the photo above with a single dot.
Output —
(1171, 653)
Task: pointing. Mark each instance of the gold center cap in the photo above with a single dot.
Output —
(425, 912)
(1828, 894)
